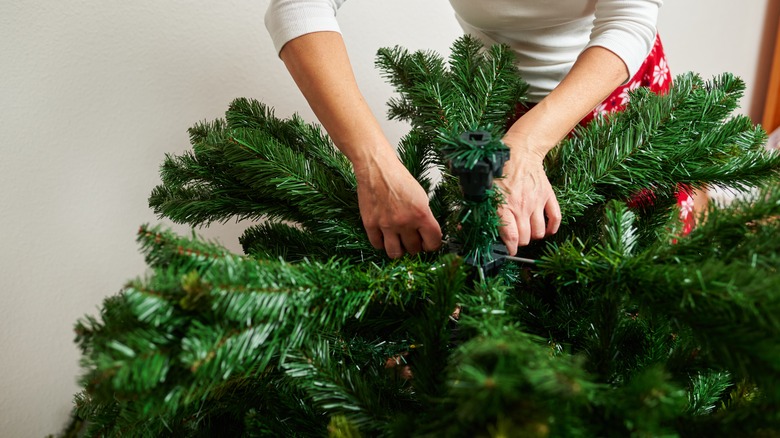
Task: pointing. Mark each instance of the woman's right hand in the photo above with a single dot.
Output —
(395, 209)
(393, 205)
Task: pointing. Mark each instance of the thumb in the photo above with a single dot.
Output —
(430, 232)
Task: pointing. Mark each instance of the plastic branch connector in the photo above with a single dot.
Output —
(477, 167)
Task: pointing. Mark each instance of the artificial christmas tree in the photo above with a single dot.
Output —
(619, 327)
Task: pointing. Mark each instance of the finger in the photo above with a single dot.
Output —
(375, 237)
(431, 235)
(393, 246)
(523, 231)
(411, 241)
(508, 231)
(537, 225)
(553, 211)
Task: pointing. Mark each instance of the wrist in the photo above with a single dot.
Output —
(522, 147)
(373, 159)
(366, 151)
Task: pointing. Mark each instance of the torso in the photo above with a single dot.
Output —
(546, 35)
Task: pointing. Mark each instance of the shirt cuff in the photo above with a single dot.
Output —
(287, 20)
(632, 49)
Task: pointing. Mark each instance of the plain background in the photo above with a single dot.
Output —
(94, 93)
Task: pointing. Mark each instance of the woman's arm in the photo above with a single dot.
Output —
(529, 196)
(623, 34)
(393, 206)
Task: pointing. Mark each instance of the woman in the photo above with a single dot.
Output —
(578, 56)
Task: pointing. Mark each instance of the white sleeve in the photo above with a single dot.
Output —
(289, 19)
(627, 28)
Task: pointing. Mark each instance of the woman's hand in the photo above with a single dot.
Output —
(392, 204)
(528, 197)
(395, 209)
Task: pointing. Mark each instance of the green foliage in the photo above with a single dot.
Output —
(254, 166)
(480, 87)
(686, 136)
(623, 328)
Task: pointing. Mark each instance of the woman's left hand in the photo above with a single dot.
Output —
(529, 199)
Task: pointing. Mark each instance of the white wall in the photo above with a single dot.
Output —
(93, 93)
(713, 36)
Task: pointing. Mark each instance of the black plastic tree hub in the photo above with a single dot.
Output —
(476, 158)
(476, 176)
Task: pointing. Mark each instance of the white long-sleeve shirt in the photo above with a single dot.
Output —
(546, 35)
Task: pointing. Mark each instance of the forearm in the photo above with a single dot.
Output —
(595, 74)
(319, 64)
